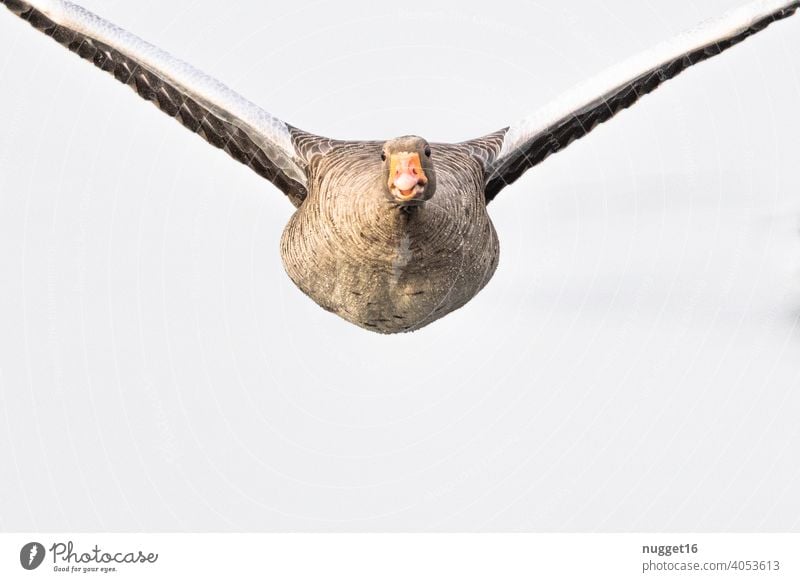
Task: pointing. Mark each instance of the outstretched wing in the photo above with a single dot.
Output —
(272, 148)
(576, 113)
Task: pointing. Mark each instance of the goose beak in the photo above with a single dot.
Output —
(407, 179)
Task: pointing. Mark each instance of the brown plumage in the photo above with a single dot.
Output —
(386, 265)
(388, 235)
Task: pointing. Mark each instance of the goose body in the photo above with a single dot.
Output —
(384, 267)
(388, 235)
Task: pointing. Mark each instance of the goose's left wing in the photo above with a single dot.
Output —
(508, 153)
(272, 148)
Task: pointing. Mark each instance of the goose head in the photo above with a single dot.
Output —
(408, 171)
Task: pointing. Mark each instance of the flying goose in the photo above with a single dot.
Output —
(388, 235)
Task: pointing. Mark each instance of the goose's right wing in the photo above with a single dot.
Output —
(272, 148)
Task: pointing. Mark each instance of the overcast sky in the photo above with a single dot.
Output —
(633, 364)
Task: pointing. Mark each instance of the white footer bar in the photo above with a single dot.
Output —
(400, 557)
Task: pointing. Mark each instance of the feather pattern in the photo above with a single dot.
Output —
(202, 104)
(576, 113)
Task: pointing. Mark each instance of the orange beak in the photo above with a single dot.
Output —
(406, 175)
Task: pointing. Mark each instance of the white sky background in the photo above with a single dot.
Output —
(633, 365)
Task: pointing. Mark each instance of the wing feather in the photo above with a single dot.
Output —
(570, 117)
(201, 103)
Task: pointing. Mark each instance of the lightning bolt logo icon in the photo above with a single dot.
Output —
(31, 555)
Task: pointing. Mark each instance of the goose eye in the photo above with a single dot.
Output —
(428, 151)
(383, 156)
